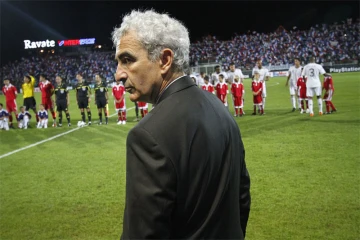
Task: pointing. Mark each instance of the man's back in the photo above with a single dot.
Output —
(195, 184)
(312, 71)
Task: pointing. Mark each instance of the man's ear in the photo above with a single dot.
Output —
(166, 60)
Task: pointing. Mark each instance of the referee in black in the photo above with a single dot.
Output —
(83, 93)
(101, 98)
(62, 100)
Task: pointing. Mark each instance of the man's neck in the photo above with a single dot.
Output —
(165, 83)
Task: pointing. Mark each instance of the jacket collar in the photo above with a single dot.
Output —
(178, 85)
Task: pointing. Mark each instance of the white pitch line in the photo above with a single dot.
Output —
(47, 140)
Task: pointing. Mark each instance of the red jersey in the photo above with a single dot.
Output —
(301, 86)
(118, 91)
(208, 87)
(10, 92)
(237, 89)
(256, 86)
(221, 88)
(328, 84)
(47, 89)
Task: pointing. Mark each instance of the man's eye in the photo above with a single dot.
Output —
(126, 60)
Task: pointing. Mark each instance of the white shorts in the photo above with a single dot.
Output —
(310, 92)
(292, 90)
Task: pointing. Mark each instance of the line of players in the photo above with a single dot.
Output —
(62, 101)
(305, 84)
(235, 77)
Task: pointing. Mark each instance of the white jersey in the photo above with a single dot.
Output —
(295, 74)
(231, 75)
(200, 81)
(215, 77)
(263, 72)
(312, 71)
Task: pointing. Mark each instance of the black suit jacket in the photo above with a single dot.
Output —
(186, 176)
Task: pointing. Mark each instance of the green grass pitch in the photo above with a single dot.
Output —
(304, 172)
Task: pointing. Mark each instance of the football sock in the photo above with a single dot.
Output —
(263, 104)
(320, 104)
(142, 112)
(302, 105)
(83, 116)
(241, 111)
(307, 104)
(124, 115)
(53, 114)
(293, 101)
(145, 111)
(310, 104)
(119, 116)
(327, 106)
(236, 111)
(332, 105)
(68, 117)
(10, 118)
(89, 115)
(100, 116)
(60, 117)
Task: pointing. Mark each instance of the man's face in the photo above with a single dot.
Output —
(6, 82)
(97, 79)
(217, 70)
(58, 80)
(297, 62)
(259, 64)
(142, 78)
(232, 68)
(26, 80)
(42, 78)
(79, 78)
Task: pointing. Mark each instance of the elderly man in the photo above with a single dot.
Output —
(185, 170)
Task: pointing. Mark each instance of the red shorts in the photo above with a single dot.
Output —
(48, 103)
(257, 100)
(328, 95)
(222, 97)
(238, 102)
(11, 106)
(302, 94)
(120, 105)
(142, 105)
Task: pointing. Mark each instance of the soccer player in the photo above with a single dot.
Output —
(256, 88)
(43, 117)
(118, 92)
(234, 72)
(4, 118)
(101, 98)
(264, 76)
(143, 106)
(62, 100)
(301, 92)
(200, 79)
(313, 84)
(10, 93)
(294, 75)
(83, 93)
(24, 118)
(28, 94)
(208, 86)
(237, 90)
(215, 76)
(328, 86)
(222, 90)
(47, 91)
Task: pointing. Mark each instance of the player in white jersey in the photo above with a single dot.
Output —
(264, 76)
(215, 76)
(232, 72)
(294, 75)
(4, 118)
(200, 79)
(313, 84)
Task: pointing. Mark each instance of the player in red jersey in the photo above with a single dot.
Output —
(328, 86)
(47, 91)
(143, 106)
(208, 86)
(237, 90)
(118, 92)
(222, 90)
(301, 92)
(256, 88)
(10, 93)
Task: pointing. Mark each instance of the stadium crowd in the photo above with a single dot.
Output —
(336, 42)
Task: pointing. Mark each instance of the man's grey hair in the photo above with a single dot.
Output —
(155, 32)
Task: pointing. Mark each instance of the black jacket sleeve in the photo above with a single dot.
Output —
(244, 198)
(150, 188)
